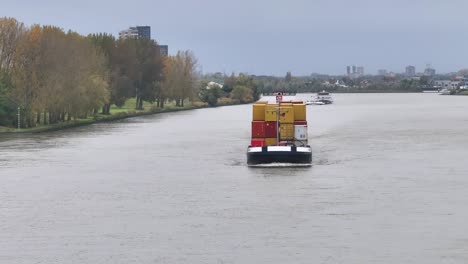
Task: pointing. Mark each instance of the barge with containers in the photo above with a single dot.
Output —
(279, 133)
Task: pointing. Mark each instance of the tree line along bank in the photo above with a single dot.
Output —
(54, 76)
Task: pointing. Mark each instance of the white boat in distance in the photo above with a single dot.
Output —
(322, 98)
(314, 103)
(444, 91)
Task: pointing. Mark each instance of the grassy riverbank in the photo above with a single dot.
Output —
(463, 93)
(116, 113)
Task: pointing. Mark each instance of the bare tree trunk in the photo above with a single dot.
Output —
(52, 119)
(141, 104)
(29, 120)
(105, 109)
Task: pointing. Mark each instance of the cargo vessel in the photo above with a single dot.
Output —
(279, 133)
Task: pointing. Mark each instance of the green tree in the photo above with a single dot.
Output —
(424, 80)
(7, 107)
(463, 72)
(210, 94)
(11, 32)
(242, 94)
(229, 83)
(249, 82)
(119, 88)
(288, 77)
(180, 77)
(59, 74)
(149, 70)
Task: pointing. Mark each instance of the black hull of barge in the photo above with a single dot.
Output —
(290, 156)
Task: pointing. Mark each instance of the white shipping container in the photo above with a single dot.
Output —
(300, 132)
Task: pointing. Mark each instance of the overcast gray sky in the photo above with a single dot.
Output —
(272, 37)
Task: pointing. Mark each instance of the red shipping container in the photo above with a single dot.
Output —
(300, 123)
(270, 129)
(258, 129)
(257, 142)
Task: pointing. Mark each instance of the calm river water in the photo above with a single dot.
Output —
(389, 184)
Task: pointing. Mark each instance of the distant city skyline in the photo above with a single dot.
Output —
(272, 38)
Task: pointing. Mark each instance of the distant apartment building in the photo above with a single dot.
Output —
(360, 71)
(136, 32)
(164, 50)
(447, 84)
(410, 70)
(142, 32)
(382, 72)
(354, 71)
(128, 33)
(429, 71)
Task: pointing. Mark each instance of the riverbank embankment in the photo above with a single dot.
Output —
(116, 114)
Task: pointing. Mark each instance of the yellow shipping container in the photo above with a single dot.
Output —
(270, 141)
(258, 112)
(270, 112)
(287, 115)
(286, 131)
(261, 102)
(299, 112)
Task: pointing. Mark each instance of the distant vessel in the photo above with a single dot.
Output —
(279, 133)
(324, 97)
(444, 91)
(434, 89)
(313, 102)
(321, 98)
